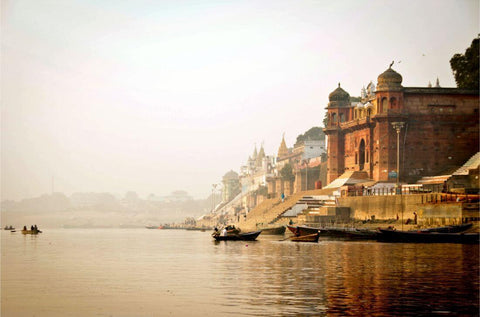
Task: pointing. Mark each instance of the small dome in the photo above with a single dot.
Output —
(339, 95)
(230, 175)
(389, 79)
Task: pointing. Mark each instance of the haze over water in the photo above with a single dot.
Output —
(140, 272)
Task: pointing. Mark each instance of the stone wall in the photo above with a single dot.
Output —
(430, 210)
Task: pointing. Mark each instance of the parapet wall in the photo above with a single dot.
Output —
(429, 210)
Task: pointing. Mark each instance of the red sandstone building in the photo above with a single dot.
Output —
(438, 130)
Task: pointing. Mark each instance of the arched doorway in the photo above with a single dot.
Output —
(361, 154)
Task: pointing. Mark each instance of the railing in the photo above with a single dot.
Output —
(428, 195)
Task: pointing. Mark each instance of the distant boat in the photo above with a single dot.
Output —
(427, 237)
(307, 238)
(34, 231)
(153, 227)
(302, 230)
(9, 228)
(248, 236)
(274, 230)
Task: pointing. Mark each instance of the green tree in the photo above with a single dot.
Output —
(286, 173)
(465, 67)
(315, 133)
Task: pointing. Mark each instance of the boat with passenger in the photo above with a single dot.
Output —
(247, 236)
(302, 230)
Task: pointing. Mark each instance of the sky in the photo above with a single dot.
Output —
(157, 96)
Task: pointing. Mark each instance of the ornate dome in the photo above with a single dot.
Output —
(339, 95)
(230, 175)
(389, 79)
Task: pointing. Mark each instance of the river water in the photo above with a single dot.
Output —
(141, 272)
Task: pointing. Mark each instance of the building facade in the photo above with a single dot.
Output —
(437, 130)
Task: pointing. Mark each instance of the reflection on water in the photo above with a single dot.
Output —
(138, 272)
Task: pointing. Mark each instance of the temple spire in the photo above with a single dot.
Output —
(283, 150)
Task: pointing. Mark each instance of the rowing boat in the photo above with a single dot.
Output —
(307, 238)
(275, 230)
(248, 236)
(302, 230)
(31, 231)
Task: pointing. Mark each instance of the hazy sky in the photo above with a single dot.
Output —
(155, 96)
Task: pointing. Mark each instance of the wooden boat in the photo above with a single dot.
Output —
(362, 234)
(248, 236)
(31, 231)
(307, 238)
(336, 232)
(275, 230)
(9, 228)
(427, 237)
(302, 230)
(450, 229)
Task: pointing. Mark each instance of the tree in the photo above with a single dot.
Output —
(465, 67)
(315, 133)
(286, 173)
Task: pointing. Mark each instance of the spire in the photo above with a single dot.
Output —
(283, 150)
(260, 156)
(429, 84)
(437, 83)
(254, 156)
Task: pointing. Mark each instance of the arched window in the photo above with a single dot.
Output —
(361, 152)
(334, 118)
(342, 119)
(384, 105)
(393, 103)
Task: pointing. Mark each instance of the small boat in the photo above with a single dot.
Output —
(34, 231)
(248, 236)
(388, 235)
(302, 230)
(450, 229)
(307, 238)
(9, 228)
(275, 230)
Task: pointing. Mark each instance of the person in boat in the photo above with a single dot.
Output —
(224, 232)
(32, 228)
(24, 227)
(35, 227)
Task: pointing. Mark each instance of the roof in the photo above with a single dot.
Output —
(431, 180)
(472, 163)
(349, 178)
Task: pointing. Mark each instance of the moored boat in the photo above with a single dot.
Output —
(302, 230)
(275, 230)
(427, 237)
(247, 236)
(362, 234)
(306, 238)
(450, 229)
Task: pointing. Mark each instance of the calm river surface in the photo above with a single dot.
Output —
(140, 272)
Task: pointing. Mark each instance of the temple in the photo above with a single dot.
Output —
(436, 128)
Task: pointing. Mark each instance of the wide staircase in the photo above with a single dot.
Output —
(271, 211)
